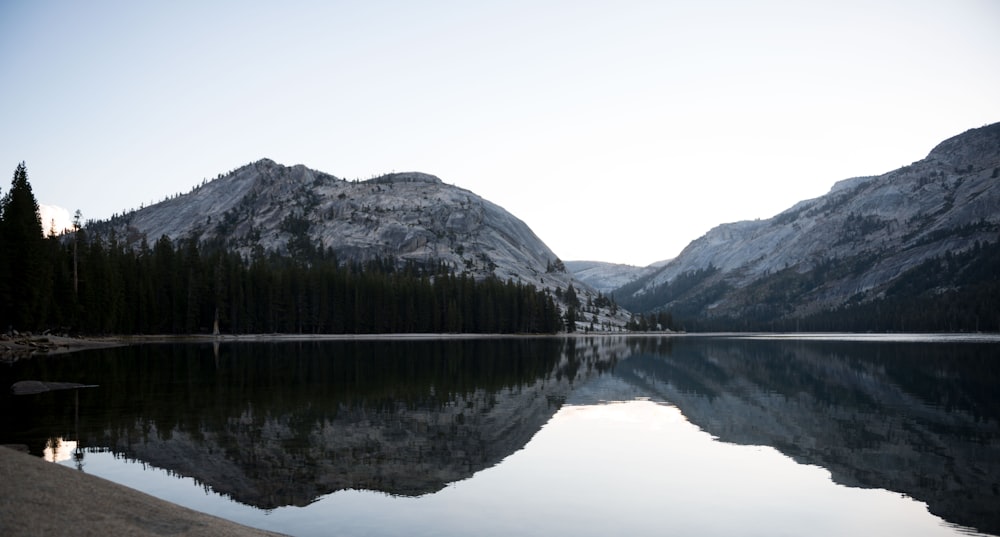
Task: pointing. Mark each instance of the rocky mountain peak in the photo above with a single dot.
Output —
(976, 146)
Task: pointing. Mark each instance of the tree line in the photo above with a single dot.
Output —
(98, 285)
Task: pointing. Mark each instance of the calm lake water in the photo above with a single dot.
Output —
(708, 436)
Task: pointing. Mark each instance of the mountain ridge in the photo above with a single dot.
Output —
(267, 204)
(849, 245)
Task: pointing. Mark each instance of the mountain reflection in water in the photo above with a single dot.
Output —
(279, 424)
(284, 423)
(918, 418)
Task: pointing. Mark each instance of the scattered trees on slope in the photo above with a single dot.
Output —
(955, 292)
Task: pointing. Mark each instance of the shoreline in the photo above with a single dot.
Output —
(44, 498)
(24, 346)
(19, 347)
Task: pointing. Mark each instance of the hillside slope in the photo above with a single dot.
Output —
(847, 247)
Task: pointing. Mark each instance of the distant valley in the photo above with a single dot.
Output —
(608, 277)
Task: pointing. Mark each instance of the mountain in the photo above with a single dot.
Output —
(906, 240)
(606, 277)
(265, 207)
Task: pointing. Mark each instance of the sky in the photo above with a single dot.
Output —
(617, 130)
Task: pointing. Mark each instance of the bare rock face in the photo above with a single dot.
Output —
(412, 216)
(872, 228)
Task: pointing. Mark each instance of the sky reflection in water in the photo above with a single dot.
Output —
(621, 468)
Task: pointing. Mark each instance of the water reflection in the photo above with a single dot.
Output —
(282, 424)
(916, 418)
(273, 425)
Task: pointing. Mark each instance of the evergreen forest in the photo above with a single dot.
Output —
(84, 284)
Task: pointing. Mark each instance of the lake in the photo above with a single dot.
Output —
(624, 435)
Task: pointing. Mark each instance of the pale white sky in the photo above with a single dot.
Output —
(617, 130)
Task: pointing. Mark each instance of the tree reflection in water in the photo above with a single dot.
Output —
(275, 424)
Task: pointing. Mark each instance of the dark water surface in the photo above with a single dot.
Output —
(825, 435)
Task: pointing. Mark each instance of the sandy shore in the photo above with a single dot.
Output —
(42, 498)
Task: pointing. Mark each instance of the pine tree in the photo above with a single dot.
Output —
(22, 264)
(571, 298)
(4, 252)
